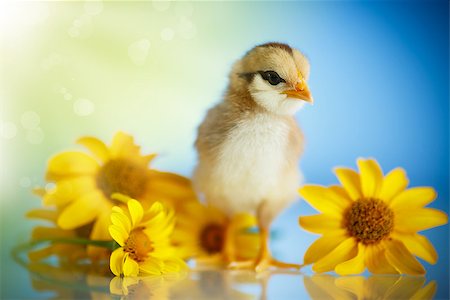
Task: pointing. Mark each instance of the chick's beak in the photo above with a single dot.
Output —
(301, 92)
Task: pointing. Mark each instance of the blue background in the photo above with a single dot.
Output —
(379, 76)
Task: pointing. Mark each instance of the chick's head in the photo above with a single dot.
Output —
(276, 77)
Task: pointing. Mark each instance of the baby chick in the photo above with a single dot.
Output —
(249, 144)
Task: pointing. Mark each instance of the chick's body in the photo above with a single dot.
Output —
(249, 144)
(248, 158)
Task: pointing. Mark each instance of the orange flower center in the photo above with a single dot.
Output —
(122, 176)
(369, 220)
(138, 245)
(212, 238)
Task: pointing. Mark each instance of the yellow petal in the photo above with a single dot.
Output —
(354, 265)
(321, 223)
(413, 220)
(393, 183)
(123, 146)
(354, 284)
(345, 251)
(324, 286)
(130, 266)
(376, 262)
(416, 197)
(371, 177)
(70, 163)
(118, 233)
(96, 146)
(120, 219)
(324, 199)
(68, 189)
(323, 245)
(405, 287)
(82, 211)
(116, 261)
(426, 293)
(136, 212)
(45, 214)
(100, 229)
(350, 181)
(418, 245)
(151, 266)
(401, 259)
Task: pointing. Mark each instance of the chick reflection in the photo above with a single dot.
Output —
(374, 287)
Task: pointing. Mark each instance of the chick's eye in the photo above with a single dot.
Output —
(272, 77)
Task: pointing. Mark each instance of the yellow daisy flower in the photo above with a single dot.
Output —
(371, 221)
(201, 230)
(84, 183)
(144, 239)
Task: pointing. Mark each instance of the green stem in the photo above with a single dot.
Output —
(105, 244)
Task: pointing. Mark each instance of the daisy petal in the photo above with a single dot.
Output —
(371, 177)
(130, 267)
(123, 146)
(418, 245)
(416, 197)
(426, 293)
(97, 147)
(116, 261)
(323, 199)
(70, 163)
(324, 286)
(100, 229)
(118, 233)
(393, 183)
(45, 214)
(320, 223)
(354, 265)
(401, 259)
(345, 251)
(376, 262)
(413, 220)
(350, 181)
(151, 266)
(120, 219)
(81, 212)
(136, 211)
(405, 287)
(354, 284)
(323, 245)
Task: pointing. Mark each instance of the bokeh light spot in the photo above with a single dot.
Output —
(49, 187)
(161, 5)
(35, 136)
(93, 7)
(83, 107)
(8, 130)
(25, 182)
(30, 120)
(167, 34)
(138, 51)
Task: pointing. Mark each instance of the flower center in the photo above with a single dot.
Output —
(369, 220)
(212, 238)
(122, 176)
(138, 245)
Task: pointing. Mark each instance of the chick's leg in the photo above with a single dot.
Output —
(229, 250)
(265, 259)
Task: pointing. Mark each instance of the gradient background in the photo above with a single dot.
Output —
(379, 77)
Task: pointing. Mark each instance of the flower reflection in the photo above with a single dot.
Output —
(69, 280)
(373, 287)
